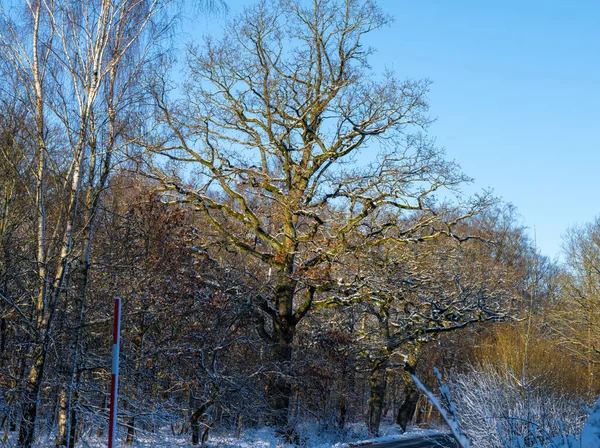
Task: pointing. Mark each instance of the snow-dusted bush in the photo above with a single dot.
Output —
(497, 410)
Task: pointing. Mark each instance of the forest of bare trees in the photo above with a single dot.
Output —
(288, 241)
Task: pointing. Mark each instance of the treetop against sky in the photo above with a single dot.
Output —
(514, 94)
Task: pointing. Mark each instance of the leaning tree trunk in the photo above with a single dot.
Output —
(378, 385)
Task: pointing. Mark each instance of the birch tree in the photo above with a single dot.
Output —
(75, 65)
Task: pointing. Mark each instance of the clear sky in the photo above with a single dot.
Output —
(516, 94)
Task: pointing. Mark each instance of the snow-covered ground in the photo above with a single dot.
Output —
(311, 436)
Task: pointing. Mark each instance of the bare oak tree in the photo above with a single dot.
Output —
(291, 146)
(413, 295)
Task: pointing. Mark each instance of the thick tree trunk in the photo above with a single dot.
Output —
(281, 342)
(411, 394)
(195, 425)
(280, 389)
(199, 418)
(377, 384)
(409, 405)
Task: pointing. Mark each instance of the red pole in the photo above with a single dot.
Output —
(114, 381)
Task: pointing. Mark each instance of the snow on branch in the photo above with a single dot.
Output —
(449, 413)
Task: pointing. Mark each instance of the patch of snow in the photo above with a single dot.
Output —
(590, 435)
(311, 436)
(259, 438)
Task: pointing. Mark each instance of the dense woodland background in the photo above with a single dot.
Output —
(288, 241)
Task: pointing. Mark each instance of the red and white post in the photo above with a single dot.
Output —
(114, 382)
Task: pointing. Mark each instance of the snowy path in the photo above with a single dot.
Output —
(435, 441)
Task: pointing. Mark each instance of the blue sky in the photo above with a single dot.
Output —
(516, 94)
